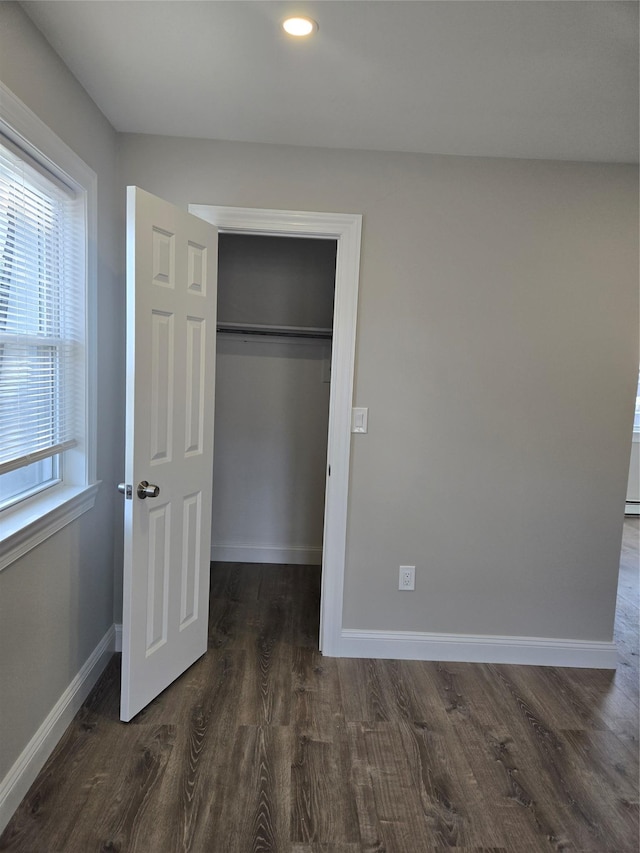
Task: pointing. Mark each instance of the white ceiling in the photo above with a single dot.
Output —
(523, 78)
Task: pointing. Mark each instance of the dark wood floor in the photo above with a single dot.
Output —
(264, 745)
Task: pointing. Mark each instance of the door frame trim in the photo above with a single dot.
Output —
(346, 228)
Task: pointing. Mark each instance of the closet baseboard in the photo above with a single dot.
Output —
(299, 555)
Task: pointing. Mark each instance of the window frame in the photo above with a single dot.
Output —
(636, 428)
(33, 520)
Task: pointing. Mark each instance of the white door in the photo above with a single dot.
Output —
(171, 327)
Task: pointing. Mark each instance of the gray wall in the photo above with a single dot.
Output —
(56, 603)
(497, 353)
(281, 281)
(271, 422)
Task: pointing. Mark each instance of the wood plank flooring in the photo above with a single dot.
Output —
(264, 745)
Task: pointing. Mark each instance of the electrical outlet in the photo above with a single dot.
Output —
(407, 577)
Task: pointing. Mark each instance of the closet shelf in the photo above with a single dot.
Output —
(271, 330)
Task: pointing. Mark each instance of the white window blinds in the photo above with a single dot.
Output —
(41, 313)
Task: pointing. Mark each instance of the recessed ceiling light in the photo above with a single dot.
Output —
(299, 26)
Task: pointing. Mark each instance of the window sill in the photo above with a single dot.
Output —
(25, 527)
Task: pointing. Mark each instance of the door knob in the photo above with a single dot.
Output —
(147, 490)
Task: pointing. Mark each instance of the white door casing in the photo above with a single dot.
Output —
(171, 316)
(346, 228)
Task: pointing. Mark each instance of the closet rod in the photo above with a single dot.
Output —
(277, 331)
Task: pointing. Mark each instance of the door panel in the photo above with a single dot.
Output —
(161, 408)
(191, 535)
(196, 369)
(171, 306)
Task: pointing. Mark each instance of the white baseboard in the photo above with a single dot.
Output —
(298, 555)
(632, 508)
(535, 651)
(30, 762)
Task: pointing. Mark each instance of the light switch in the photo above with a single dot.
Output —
(359, 420)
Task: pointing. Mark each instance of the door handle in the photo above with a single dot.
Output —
(147, 490)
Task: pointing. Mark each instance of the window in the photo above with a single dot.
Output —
(636, 419)
(47, 209)
(41, 326)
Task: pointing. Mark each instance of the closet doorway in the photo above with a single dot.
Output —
(273, 370)
(330, 348)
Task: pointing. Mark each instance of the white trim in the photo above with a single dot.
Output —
(346, 228)
(91, 330)
(632, 508)
(33, 521)
(30, 762)
(28, 131)
(297, 555)
(418, 645)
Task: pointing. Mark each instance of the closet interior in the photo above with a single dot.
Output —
(273, 358)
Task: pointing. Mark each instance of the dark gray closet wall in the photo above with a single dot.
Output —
(283, 281)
